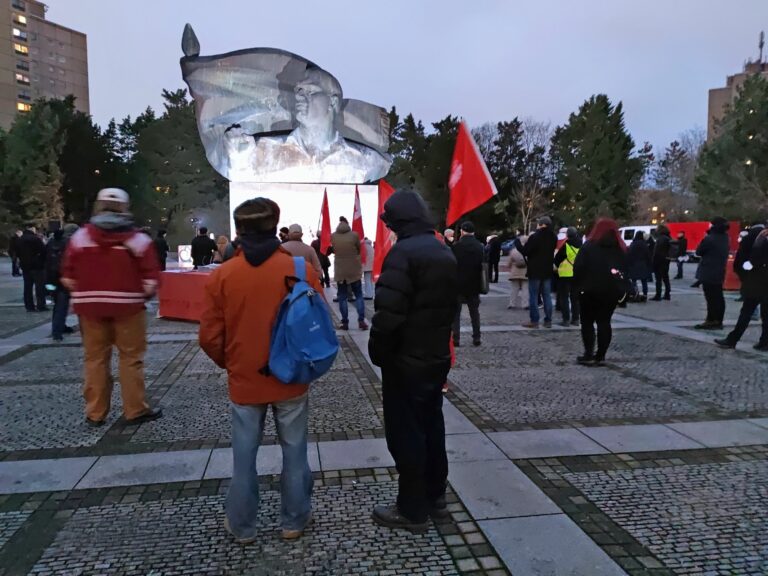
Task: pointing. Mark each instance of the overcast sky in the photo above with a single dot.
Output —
(485, 60)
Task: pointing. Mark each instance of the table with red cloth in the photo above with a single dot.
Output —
(181, 294)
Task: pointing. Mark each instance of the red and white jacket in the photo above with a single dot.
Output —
(110, 273)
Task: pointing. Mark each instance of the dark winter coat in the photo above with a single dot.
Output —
(661, 250)
(161, 245)
(638, 260)
(743, 253)
(539, 251)
(469, 258)
(713, 251)
(592, 269)
(202, 250)
(54, 255)
(13, 247)
(416, 294)
(31, 252)
(494, 250)
(754, 283)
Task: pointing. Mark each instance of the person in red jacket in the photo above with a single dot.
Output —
(111, 269)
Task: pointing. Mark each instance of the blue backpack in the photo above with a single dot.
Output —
(304, 343)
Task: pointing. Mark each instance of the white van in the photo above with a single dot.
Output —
(628, 232)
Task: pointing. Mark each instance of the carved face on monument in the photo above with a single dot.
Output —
(318, 100)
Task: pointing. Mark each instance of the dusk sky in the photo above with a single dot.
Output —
(485, 60)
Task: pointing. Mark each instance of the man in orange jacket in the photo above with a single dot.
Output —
(241, 302)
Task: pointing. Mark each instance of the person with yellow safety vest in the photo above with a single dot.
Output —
(567, 295)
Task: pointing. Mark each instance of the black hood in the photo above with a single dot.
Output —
(258, 247)
(406, 214)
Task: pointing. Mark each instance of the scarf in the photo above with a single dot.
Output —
(113, 221)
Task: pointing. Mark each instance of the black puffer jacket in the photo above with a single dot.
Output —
(469, 260)
(639, 259)
(713, 251)
(416, 294)
(31, 252)
(539, 251)
(592, 271)
(661, 249)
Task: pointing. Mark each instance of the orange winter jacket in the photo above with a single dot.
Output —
(239, 309)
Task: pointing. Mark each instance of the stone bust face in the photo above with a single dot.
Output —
(318, 100)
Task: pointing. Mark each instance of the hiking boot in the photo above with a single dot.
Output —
(761, 346)
(152, 414)
(724, 343)
(390, 517)
(94, 423)
(363, 325)
(344, 326)
(530, 325)
(228, 528)
(547, 323)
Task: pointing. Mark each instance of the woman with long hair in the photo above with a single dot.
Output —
(600, 276)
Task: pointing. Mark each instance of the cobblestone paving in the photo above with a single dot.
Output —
(706, 519)
(186, 536)
(681, 307)
(16, 319)
(10, 522)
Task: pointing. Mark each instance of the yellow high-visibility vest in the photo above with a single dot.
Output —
(565, 270)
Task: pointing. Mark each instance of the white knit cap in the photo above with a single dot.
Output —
(113, 195)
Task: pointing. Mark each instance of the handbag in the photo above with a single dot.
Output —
(484, 283)
(621, 285)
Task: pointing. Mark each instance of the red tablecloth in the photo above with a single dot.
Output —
(181, 294)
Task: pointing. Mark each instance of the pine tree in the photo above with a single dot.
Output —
(732, 175)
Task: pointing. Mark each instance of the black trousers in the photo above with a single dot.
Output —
(473, 304)
(493, 271)
(415, 432)
(596, 309)
(36, 279)
(713, 294)
(15, 270)
(326, 277)
(662, 276)
(748, 307)
(568, 297)
(679, 269)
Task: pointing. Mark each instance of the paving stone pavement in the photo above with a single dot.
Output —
(10, 522)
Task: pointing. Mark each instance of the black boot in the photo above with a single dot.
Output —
(390, 517)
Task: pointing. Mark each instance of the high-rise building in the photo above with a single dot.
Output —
(721, 98)
(38, 59)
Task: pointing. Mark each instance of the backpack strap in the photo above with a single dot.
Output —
(300, 268)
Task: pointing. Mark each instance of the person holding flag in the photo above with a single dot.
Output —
(348, 272)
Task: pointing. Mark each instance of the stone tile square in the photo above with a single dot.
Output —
(268, 461)
(548, 546)
(723, 433)
(497, 489)
(150, 468)
(546, 443)
(639, 438)
(455, 421)
(42, 475)
(353, 454)
(471, 448)
(762, 422)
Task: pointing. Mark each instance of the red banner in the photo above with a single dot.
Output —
(385, 238)
(325, 225)
(357, 225)
(470, 183)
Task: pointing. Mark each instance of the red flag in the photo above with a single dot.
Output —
(325, 225)
(357, 225)
(470, 183)
(385, 238)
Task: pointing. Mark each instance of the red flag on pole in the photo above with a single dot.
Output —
(325, 225)
(357, 224)
(470, 183)
(385, 238)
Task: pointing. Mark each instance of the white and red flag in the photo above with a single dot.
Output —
(357, 225)
(470, 184)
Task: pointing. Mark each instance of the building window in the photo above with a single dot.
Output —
(20, 34)
(20, 19)
(19, 5)
(25, 95)
(20, 48)
(22, 79)
(23, 107)
(22, 65)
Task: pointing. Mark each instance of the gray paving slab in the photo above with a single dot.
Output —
(548, 546)
(42, 475)
(353, 454)
(455, 421)
(268, 461)
(151, 468)
(640, 438)
(723, 433)
(471, 448)
(762, 422)
(546, 443)
(498, 489)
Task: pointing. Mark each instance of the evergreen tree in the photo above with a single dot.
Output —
(732, 176)
(596, 170)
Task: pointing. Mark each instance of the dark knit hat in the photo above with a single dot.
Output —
(257, 215)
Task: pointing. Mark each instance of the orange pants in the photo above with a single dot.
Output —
(129, 335)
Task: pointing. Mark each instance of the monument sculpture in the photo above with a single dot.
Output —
(266, 115)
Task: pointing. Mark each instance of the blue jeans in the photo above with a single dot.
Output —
(242, 505)
(545, 287)
(60, 310)
(343, 293)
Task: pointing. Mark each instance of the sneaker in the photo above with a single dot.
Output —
(708, 326)
(344, 326)
(476, 342)
(724, 343)
(94, 423)
(547, 323)
(390, 517)
(586, 359)
(599, 361)
(761, 346)
(227, 527)
(363, 325)
(152, 414)
(289, 534)
(530, 325)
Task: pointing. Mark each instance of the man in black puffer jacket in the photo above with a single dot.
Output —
(713, 251)
(415, 303)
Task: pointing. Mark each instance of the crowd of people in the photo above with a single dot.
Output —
(108, 269)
